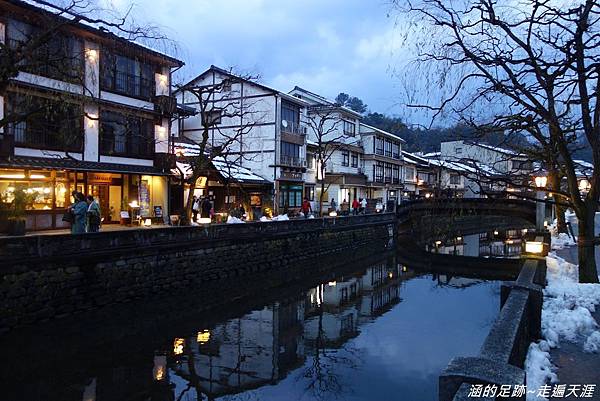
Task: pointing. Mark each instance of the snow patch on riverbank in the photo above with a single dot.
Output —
(566, 315)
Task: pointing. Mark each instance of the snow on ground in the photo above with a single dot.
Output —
(233, 220)
(566, 315)
(281, 217)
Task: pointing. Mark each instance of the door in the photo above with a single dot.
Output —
(101, 193)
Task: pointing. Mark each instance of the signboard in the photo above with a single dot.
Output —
(100, 177)
(291, 175)
(158, 212)
(144, 196)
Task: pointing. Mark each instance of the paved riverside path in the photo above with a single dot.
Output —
(574, 365)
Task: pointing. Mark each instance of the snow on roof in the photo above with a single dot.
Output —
(326, 102)
(411, 157)
(370, 128)
(238, 173)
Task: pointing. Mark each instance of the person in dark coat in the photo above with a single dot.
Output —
(79, 211)
(206, 206)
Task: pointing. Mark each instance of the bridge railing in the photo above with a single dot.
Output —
(14, 250)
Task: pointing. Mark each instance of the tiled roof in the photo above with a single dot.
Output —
(80, 165)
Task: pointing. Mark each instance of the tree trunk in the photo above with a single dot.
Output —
(186, 218)
(554, 178)
(321, 195)
(585, 246)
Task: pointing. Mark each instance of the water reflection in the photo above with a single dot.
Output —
(378, 332)
(494, 243)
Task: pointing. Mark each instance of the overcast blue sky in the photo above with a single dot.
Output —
(326, 46)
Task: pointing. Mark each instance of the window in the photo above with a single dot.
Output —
(309, 192)
(388, 172)
(388, 148)
(354, 159)
(46, 124)
(396, 174)
(454, 179)
(290, 113)
(123, 135)
(212, 117)
(458, 151)
(126, 76)
(290, 195)
(345, 158)
(379, 145)
(410, 174)
(396, 150)
(349, 128)
(378, 171)
(290, 149)
(59, 57)
(310, 161)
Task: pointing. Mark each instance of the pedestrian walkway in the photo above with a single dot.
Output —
(574, 365)
(104, 228)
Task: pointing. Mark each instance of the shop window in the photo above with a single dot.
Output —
(290, 196)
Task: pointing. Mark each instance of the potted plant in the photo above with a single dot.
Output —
(16, 212)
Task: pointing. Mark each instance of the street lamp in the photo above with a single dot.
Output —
(540, 214)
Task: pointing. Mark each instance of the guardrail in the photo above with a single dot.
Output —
(19, 250)
(502, 356)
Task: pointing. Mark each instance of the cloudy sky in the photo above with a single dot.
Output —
(326, 46)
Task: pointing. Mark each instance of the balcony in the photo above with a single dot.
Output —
(49, 137)
(292, 161)
(165, 105)
(293, 128)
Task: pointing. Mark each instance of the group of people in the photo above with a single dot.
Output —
(84, 214)
(202, 206)
(359, 206)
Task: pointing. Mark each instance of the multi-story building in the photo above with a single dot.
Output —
(419, 177)
(510, 169)
(383, 164)
(262, 128)
(90, 112)
(338, 141)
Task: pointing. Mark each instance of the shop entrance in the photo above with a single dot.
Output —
(102, 195)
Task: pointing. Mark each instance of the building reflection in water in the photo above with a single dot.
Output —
(263, 346)
(496, 243)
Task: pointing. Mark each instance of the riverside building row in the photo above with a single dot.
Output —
(98, 114)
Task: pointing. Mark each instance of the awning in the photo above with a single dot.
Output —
(56, 163)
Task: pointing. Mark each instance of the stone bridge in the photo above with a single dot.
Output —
(464, 215)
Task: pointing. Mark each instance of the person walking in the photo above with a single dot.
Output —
(78, 209)
(195, 208)
(363, 206)
(344, 208)
(333, 205)
(306, 208)
(93, 215)
(355, 206)
(205, 208)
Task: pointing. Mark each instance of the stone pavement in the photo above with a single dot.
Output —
(574, 365)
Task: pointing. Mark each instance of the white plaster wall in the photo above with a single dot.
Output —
(126, 160)
(127, 101)
(91, 126)
(92, 69)
(49, 83)
(45, 153)
(161, 136)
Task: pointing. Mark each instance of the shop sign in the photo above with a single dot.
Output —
(100, 177)
(291, 175)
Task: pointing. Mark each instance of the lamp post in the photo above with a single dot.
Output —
(540, 183)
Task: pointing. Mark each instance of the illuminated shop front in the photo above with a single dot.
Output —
(49, 193)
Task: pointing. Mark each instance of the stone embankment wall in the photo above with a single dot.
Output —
(48, 276)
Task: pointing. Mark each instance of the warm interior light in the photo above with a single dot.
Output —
(459, 238)
(584, 185)
(438, 243)
(148, 222)
(91, 120)
(541, 182)
(92, 54)
(161, 131)
(534, 247)
(333, 214)
(391, 275)
(178, 346)
(203, 336)
(162, 79)
(134, 204)
(204, 220)
(332, 283)
(13, 176)
(496, 232)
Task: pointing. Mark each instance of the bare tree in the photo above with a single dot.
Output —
(532, 63)
(323, 121)
(217, 102)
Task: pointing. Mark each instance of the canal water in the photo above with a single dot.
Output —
(376, 331)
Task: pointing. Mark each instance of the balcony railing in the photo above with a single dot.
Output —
(130, 85)
(48, 137)
(294, 128)
(292, 161)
